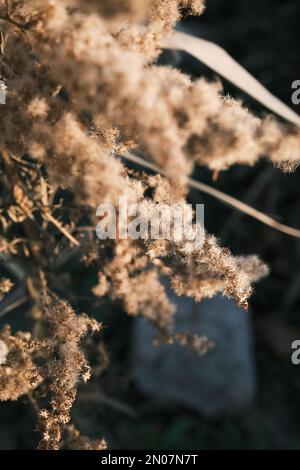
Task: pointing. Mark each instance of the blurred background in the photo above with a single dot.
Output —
(245, 394)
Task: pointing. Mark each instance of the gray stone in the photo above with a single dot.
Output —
(222, 381)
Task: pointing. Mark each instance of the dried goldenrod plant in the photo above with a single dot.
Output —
(82, 86)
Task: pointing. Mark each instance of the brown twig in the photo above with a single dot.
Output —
(61, 228)
(14, 305)
(10, 244)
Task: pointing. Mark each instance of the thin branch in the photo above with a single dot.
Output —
(104, 399)
(223, 197)
(61, 228)
(14, 305)
(10, 20)
(47, 215)
(8, 245)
